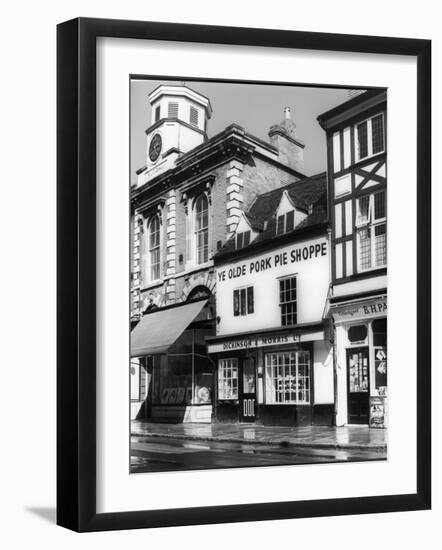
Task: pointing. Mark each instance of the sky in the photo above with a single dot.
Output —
(253, 106)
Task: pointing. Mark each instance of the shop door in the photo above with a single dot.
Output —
(358, 385)
(248, 395)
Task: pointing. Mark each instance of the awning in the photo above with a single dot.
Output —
(157, 331)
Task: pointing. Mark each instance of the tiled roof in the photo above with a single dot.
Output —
(308, 193)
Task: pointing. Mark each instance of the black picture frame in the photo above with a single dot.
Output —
(76, 274)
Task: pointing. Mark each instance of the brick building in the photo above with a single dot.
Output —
(186, 204)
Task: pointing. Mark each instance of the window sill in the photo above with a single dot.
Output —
(289, 403)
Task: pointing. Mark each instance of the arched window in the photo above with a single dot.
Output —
(154, 248)
(202, 229)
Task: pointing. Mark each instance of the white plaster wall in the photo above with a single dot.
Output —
(323, 372)
(312, 287)
(362, 285)
(341, 378)
(174, 134)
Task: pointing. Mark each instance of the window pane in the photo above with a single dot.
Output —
(239, 240)
(280, 227)
(242, 301)
(250, 300)
(377, 132)
(290, 220)
(380, 243)
(228, 379)
(362, 140)
(287, 377)
(379, 327)
(236, 303)
(154, 248)
(365, 248)
(246, 238)
(157, 114)
(379, 205)
(358, 333)
(288, 301)
(363, 209)
(201, 229)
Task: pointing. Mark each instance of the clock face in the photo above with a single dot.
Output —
(155, 147)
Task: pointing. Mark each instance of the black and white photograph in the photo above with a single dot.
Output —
(258, 274)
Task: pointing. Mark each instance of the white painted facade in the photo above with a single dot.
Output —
(179, 117)
(262, 332)
(263, 271)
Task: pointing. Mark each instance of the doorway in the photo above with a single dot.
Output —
(248, 394)
(358, 385)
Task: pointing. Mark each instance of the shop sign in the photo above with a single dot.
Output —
(377, 412)
(287, 257)
(364, 310)
(254, 342)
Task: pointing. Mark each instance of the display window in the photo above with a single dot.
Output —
(228, 379)
(379, 328)
(288, 377)
(184, 376)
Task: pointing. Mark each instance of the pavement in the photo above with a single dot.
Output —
(314, 437)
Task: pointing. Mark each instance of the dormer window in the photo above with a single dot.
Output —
(172, 109)
(193, 116)
(285, 222)
(242, 239)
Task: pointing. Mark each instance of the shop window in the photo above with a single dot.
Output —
(184, 376)
(357, 333)
(287, 301)
(243, 301)
(285, 222)
(372, 231)
(154, 248)
(135, 380)
(370, 137)
(379, 329)
(228, 379)
(242, 239)
(202, 229)
(288, 377)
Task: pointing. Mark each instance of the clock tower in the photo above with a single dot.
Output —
(178, 124)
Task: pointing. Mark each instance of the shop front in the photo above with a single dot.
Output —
(170, 345)
(361, 357)
(279, 377)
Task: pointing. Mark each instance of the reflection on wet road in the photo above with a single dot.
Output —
(158, 454)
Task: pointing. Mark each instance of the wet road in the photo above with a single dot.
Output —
(161, 454)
